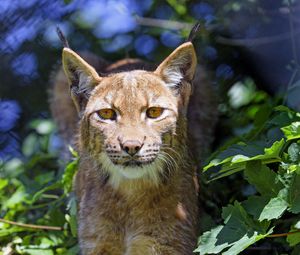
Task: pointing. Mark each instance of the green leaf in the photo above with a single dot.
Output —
(11, 231)
(236, 217)
(30, 145)
(264, 208)
(292, 168)
(296, 250)
(57, 217)
(262, 115)
(292, 131)
(264, 179)
(18, 197)
(254, 205)
(73, 250)
(72, 219)
(179, 6)
(44, 178)
(67, 178)
(241, 93)
(38, 251)
(294, 152)
(12, 168)
(284, 117)
(73, 225)
(294, 238)
(243, 243)
(274, 209)
(294, 193)
(283, 108)
(3, 183)
(74, 153)
(239, 231)
(38, 194)
(297, 225)
(208, 242)
(235, 158)
(42, 126)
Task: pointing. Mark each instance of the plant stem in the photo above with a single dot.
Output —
(284, 234)
(23, 225)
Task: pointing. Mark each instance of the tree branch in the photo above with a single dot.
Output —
(176, 25)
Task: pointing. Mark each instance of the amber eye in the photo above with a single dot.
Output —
(154, 112)
(107, 114)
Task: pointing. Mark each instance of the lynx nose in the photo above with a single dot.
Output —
(131, 147)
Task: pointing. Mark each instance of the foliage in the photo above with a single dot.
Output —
(270, 164)
(35, 190)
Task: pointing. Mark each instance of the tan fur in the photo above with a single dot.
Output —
(145, 209)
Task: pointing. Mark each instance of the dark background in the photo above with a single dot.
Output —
(238, 39)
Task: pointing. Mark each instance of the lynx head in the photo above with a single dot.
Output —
(129, 120)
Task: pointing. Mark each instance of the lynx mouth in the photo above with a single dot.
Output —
(132, 163)
(132, 168)
(136, 163)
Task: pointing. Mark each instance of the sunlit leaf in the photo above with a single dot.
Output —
(294, 152)
(17, 197)
(238, 232)
(208, 242)
(42, 126)
(38, 251)
(243, 153)
(273, 209)
(70, 171)
(3, 183)
(292, 131)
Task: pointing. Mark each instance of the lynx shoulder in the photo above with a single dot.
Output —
(135, 185)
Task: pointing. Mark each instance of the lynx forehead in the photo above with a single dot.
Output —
(140, 87)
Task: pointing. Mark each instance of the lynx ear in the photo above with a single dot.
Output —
(81, 76)
(179, 66)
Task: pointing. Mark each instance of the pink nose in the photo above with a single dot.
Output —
(131, 147)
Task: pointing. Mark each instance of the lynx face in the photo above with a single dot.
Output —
(129, 114)
(129, 118)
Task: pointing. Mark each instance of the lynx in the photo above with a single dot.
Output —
(135, 186)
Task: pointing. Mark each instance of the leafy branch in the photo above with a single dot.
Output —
(273, 169)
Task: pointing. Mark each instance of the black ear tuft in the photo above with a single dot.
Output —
(62, 37)
(194, 32)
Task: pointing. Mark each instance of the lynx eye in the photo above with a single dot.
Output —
(154, 112)
(107, 114)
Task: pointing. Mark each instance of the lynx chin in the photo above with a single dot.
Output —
(135, 186)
